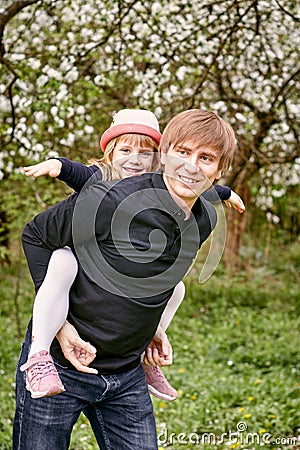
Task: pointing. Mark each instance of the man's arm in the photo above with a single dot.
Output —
(159, 351)
(79, 352)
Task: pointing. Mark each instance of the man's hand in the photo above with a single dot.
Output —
(75, 349)
(159, 351)
(50, 167)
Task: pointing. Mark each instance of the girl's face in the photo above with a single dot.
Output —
(130, 160)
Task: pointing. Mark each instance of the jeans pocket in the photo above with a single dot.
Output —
(59, 365)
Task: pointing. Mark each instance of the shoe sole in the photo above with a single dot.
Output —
(160, 395)
(40, 394)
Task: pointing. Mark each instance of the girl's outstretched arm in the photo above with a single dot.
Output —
(73, 173)
(226, 194)
(235, 202)
(51, 167)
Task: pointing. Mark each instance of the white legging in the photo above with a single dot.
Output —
(51, 303)
(52, 300)
(172, 305)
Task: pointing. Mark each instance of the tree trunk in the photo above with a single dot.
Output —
(234, 236)
(4, 239)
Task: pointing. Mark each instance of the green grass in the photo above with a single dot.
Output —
(236, 363)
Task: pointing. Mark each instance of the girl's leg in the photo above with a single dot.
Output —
(49, 314)
(173, 305)
(158, 385)
(52, 300)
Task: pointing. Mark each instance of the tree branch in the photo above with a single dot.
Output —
(10, 94)
(110, 32)
(280, 92)
(221, 47)
(7, 15)
(287, 12)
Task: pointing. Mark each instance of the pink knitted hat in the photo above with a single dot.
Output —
(127, 121)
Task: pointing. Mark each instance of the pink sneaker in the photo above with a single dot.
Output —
(158, 385)
(42, 379)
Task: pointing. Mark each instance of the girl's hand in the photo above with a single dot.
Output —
(236, 202)
(50, 167)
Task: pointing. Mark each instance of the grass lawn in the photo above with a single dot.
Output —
(236, 363)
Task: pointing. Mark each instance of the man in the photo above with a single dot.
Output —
(135, 239)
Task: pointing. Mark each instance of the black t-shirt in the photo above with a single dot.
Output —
(133, 246)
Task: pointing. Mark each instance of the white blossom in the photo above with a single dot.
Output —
(241, 117)
(42, 80)
(69, 140)
(52, 73)
(60, 122)
(39, 116)
(164, 49)
(80, 110)
(37, 147)
(89, 129)
(53, 154)
(54, 111)
(15, 57)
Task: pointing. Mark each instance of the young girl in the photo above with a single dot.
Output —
(130, 149)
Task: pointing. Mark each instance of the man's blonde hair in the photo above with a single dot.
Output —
(204, 128)
(137, 140)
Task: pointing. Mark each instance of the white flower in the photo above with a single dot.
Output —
(240, 117)
(80, 109)
(60, 123)
(54, 111)
(17, 56)
(89, 129)
(52, 48)
(42, 80)
(53, 73)
(72, 75)
(38, 147)
(53, 154)
(39, 116)
(69, 140)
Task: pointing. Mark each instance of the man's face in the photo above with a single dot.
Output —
(189, 171)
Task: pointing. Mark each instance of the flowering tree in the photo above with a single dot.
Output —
(67, 65)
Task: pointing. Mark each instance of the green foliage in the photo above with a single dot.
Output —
(237, 360)
(21, 199)
(236, 356)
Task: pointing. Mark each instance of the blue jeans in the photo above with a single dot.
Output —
(118, 407)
